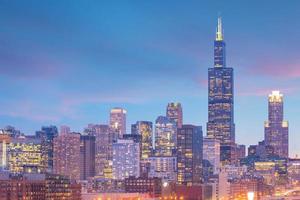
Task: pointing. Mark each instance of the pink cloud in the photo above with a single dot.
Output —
(275, 67)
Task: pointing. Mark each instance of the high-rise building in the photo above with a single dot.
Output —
(174, 112)
(165, 136)
(211, 153)
(144, 128)
(276, 129)
(87, 156)
(25, 154)
(66, 155)
(104, 140)
(4, 144)
(220, 100)
(47, 134)
(189, 155)
(126, 159)
(118, 122)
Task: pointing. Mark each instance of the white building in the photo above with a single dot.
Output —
(126, 159)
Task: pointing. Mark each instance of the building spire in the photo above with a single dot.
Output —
(219, 34)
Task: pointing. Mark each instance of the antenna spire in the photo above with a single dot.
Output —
(219, 34)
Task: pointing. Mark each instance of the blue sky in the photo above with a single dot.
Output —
(69, 62)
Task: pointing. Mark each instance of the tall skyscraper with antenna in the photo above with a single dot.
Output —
(220, 123)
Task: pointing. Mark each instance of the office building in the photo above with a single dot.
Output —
(189, 155)
(211, 153)
(25, 154)
(174, 112)
(164, 168)
(87, 156)
(276, 129)
(118, 122)
(165, 136)
(220, 123)
(47, 134)
(126, 159)
(104, 140)
(66, 155)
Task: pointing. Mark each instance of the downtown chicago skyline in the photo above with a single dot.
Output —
(56, 86)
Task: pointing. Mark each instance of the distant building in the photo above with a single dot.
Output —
(25, 153)
(103, 153)
(65, 129)
(274, 172)
(5, 140)
(211, 153)
(165, 136)
(241, 187)
(87, 156)
(145, 129)
(189, 155)
(240, 151)
(47, 134)
(220, 123)
(66, 155)
(126, 159)
(118, 122)
(174, 112)
(151, 186)
(276, 129)
(164, 168)
(38, 186)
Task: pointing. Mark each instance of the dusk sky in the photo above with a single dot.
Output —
(70, 62)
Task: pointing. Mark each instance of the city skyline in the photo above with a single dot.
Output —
(75, 91)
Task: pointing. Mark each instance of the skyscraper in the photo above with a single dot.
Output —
(165, 136)
(220, 99)
(144, 128)
(189, 155)
(87, 156)
(103, 152)
(118, 122)
(276, 129)
(66, 155)
(174, 112)
(47, 134)
(126, 159)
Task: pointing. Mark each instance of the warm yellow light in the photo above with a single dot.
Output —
(250, 195)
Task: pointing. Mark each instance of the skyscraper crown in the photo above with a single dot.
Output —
(219, 33)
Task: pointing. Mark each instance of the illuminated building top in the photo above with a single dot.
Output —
(219, 33)
(275, 97)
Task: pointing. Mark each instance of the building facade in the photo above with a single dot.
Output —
(221, 100)
(165, 136)
(25, 153)
(47, 134)
(118, 122)
(174, 112)
(189, 155)
(276, 129)
(211, 153)
(87, 156)
(103, 153)
(126, 159)
(164, 168)
(66, 155)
